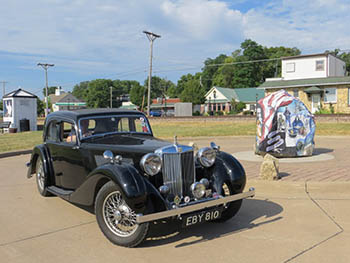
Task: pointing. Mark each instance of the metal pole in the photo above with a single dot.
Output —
(3, 87)
(47, 94)
(149, 79)
(151, 37)
(111, 96)
(45, 66)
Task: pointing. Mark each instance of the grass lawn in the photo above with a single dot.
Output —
(166, 130)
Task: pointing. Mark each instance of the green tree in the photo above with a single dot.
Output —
(80, 90)
(50, 90)
(181, 83)
(209, 70)
(1, 105)
(237, 107)
(193, 92)
(136, 94)
(159, 86)
(40, 107)
(98, 93)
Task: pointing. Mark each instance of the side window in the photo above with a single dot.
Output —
(141, 125)
(68, 133)
(123, 125)
(52, 132)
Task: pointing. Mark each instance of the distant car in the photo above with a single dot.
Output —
(155, 113)
(109, 159)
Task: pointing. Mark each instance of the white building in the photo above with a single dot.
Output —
(65, 101)
(20, 106)
(312, 66)
(320, 81)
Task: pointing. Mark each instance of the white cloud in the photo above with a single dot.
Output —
(312, 26)
(106, 35)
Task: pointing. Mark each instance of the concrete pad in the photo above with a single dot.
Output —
(285, 222)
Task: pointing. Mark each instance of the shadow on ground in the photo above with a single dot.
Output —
(251, 210)
(318, 151)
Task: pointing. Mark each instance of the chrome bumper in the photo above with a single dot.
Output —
(191, 208)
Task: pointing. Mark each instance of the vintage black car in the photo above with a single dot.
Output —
(109, 159)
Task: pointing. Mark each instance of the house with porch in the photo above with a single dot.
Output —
(219, 99)
(65, 101)
(318, 80)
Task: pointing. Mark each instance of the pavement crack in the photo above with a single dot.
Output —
(341, 229)
(45, 234)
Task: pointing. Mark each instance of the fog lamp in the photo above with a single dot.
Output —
(198, 190)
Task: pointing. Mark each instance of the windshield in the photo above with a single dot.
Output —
(103, 125)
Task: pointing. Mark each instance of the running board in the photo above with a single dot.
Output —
(65, 194)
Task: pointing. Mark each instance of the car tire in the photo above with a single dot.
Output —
(232, 208)
(116, 219)
(41, 177)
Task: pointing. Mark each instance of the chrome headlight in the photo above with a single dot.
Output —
(206, 156)
(151, 163)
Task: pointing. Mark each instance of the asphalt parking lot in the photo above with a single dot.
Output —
(291, 220)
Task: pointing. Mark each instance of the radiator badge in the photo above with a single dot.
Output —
(177, 200)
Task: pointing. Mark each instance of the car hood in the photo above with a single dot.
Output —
(130, 143)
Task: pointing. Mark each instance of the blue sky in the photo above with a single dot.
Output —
(89, 39)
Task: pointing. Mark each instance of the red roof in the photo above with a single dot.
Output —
(170, 100)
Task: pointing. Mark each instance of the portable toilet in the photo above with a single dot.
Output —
(20, 108)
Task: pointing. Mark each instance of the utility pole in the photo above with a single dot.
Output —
(45, 66)
(151, 37)
(111, 96)
(3, 87)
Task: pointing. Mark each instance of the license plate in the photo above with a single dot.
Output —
(201, 217)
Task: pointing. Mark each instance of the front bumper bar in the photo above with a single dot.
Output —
(191, 208)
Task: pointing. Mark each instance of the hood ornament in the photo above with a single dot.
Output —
(175, 140)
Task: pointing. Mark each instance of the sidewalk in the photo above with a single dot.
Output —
(332, 170)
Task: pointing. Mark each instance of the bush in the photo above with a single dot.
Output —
(196, 113)
(219, 113)
(247, 112)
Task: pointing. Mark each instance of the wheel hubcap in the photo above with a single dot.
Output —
(118, 216)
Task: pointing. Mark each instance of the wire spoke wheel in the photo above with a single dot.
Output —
(40, 175)
(118, 216)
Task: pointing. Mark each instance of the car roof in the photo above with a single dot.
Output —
(77, 114)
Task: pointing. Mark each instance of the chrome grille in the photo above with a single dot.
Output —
(178, 172)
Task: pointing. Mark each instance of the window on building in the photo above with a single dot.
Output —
(319, 65)
(330, 95)
(296, 93)
(290, 67)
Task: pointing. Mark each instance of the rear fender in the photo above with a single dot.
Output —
(40, 151)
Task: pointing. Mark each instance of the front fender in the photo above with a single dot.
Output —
(228, 168)
(124, 175)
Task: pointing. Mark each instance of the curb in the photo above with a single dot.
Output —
(15, 153)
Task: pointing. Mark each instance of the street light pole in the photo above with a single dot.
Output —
(151, 37)
(45, 66)
(3, 87)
